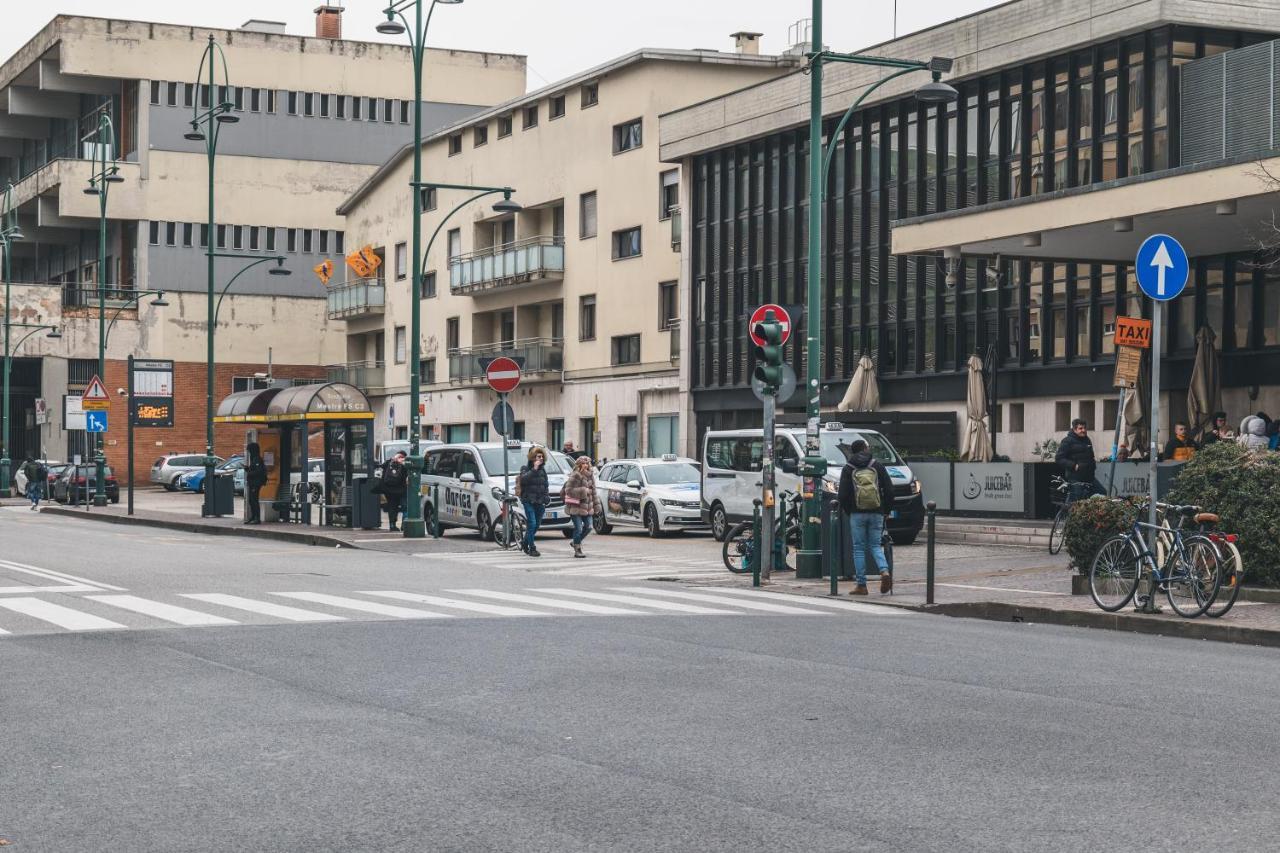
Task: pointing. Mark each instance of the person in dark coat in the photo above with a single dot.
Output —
(395, 478)
(1218, 431)
(535, 495)
(255, 477)
(866, 496)
(1075, 455)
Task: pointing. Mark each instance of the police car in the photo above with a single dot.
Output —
(656, 493)
(466, 482)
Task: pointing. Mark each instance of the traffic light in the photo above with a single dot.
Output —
(769, 356)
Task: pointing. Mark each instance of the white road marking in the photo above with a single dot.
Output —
(474, 606)
(56, 614)
(548, 602)
(364, 606)
(634, 600)
(58, 575)
(712, 599)
(835, 604)
(160, 610)
(266, 608)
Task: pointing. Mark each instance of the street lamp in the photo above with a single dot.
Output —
(809, 557)
(397, 24)
(9, 232)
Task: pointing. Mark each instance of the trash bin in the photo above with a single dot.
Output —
(222, 494)
(366, 512)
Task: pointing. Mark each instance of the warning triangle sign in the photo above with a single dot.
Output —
(95, 396)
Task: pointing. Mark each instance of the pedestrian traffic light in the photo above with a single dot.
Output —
(768, 355)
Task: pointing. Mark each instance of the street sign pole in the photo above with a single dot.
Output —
(129, 409)
(1157, 333)
(767, 480)
(506, 475)
(1115, 444)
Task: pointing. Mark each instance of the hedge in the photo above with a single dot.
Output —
(1093, 521)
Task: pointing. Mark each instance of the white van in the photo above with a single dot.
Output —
(466, 479)
(732, 461)
(387, 449)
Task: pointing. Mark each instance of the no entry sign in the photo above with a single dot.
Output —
(779, 313)
(503, 375)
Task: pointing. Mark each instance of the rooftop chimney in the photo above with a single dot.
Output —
(745, 43)
(329, 21)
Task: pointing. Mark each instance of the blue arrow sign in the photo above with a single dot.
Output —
(1162, 267)
(95, 421)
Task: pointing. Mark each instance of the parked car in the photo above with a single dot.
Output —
(467, 478)
(20, 478)
(167, 471)
(78, 484)
(731, 464)
(387, 449)
(657, 493)
(193, 481)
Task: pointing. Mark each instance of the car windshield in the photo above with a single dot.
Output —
(91, 471)
(670, 473)
(233, 465)
(835, 444)
(517, 457)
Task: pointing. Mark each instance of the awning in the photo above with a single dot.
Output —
(333, 401)
(245, 406)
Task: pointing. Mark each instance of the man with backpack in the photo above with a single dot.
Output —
(866, 495)
(37, 475)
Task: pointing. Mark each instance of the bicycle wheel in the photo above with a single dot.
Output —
(1058, 534)
(1232, 579)
(1113, 577)
(509, 536)
(738, 548)
(1194, 577)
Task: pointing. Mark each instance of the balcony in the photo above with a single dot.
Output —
(363, 297)
(365, 375)
(541, 356)
(532, 261)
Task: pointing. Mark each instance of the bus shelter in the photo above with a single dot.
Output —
(317, 444)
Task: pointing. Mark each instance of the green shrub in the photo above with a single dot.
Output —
(1093, 521)
(1243, 487)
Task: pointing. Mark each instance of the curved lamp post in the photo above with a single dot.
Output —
(397, 24)
(809, 557)
(9, 232)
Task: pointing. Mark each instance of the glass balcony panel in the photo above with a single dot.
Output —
(362, 296)
(536, 259)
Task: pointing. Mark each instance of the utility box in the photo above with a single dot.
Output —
(366, 508)
(222, 493)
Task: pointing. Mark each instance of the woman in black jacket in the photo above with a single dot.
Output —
(535, 494)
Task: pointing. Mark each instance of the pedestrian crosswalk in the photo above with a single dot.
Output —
(615, 566)
(37, 614)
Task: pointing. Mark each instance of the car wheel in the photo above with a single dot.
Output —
(904, 538)
(484, 525)
(651, 522)
(172, 485)
(600, 525)
(719, 522)
(116, 499)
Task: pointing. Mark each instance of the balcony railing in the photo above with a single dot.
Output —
(541, 356)
(531, 261)
(363, 296)
(86, 295)
(362, 374)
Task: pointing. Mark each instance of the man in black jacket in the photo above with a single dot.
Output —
(866, 495)
(394, 480)
(255, 477)
(1075, 455)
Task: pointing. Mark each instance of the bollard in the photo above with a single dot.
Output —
(755, 544)
(435, 511)
(932, 508)
(835, 559)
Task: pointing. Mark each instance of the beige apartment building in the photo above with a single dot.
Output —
(582, 283)
(317, 116)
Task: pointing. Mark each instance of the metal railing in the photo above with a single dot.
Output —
(85, 295)
(524, 261)
(362, 374)
(353, 298)
(541, 355)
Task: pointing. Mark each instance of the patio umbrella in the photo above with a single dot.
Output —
(977, 441)
(1204, 397)
(1137, 409)
(863, 394)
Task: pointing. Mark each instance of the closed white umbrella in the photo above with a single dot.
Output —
(863, 394)
(977, 441)
(1204, 397)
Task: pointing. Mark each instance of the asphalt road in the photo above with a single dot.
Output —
(652, 730)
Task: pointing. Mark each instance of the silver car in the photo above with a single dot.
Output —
(168, 470)
(659, 494)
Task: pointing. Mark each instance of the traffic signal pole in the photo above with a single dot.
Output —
(768, 372)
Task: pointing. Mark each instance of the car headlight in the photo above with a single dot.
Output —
(668, 502)
(915, 487)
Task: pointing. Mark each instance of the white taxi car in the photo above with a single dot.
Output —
(464, 482)
(656, 493)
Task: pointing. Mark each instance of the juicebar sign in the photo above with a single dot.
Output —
(151, 397)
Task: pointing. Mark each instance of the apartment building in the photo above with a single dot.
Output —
(317, 116)
(1005, 224)
(582, 283)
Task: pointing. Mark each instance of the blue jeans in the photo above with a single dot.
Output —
(868, 530)
(581, 527)
(34, 492)
(532, 521)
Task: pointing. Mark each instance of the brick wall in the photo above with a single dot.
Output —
(188, 432)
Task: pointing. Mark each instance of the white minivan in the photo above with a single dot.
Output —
(732, 461)
(466, 480)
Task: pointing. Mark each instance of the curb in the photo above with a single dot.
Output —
(210, 530)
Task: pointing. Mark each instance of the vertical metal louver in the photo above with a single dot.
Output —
(1230, 104)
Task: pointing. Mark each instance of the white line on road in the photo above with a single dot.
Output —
(631, 599)
(712, 599)
(56, 614)
(266, 608)
(364, 606)
(160, 610)
(548, 602)
(50, 574)
(835, 604)
(474, 606)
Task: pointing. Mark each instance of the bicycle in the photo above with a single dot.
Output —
(739, 547)
(1232, 564)
(509, 535)
(1071, 492)
(1189, 572)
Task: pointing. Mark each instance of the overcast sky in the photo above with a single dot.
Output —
(560, 37)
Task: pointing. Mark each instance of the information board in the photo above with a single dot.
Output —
(151, 403)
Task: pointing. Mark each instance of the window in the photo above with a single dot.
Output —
(429, 199)
(590, 95)
(428, 285)
(481, 135)
(238, 385)
(452, 335)
(324, 106)
(371, 113)
(204, 236)
(340, 106)
(1015, 417)
(404, 112)
(455, 242)
(1110, 413)
(153, 234)
(222, 237)
(587, 430)
(238, 98)
(271, 239)
(356, 103)
(1062, 415)
(626, 243)
(271, 101)
(291, 239)
(188, 94)
(555, 433)
(307, 240)
(339, 242)
(187, 230)
(504, 126)
(308, 103)
(1087, 408)
(254, 236)
(155, 92)
(171, 94)
(530, 117)
(668, 193)
(557, 321)
(587, 215)
(324, 241)
(400, 345)
(557, 107)
(292, 104)
(455, 144)
(587, 318)
(663, 436)
(237, 237)
(668, 304)
(402, 261)
(427, 371)
(255, 100)
(628, 135)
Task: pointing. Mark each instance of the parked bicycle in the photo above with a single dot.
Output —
(509, 535)
(1230, 561)
(1188, 568)
(739, 546)
(1065, 495)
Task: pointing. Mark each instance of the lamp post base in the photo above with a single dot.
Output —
(99, 500)
(6, 487)
(413, 528)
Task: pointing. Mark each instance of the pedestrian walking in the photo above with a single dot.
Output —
(1253, 432)
(1075, 455)
(581, 500)
(535, 494)
(394, 479)
(866, 496)
(37, 475)
(1181, 447)
(255, 477)
(569, 451)
(1218, 431)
